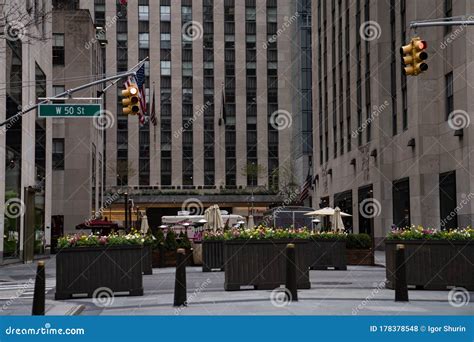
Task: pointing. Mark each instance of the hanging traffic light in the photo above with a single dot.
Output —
(413, 56)
(131, 100)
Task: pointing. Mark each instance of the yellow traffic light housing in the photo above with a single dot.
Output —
(131, 101)
(413, 57)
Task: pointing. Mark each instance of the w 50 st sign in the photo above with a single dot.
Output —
(69, 110)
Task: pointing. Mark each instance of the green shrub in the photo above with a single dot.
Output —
(159, 239)
(183, 241)
(170, 241)
(358, 241)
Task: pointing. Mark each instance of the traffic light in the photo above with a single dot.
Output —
(131, 101)
(413, 56)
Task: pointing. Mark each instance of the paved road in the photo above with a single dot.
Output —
(357, 291)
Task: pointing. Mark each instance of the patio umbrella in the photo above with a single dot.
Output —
(207, 217)
(251, 223)
(218, 223)
(337, 223)
(326, 212)
(145, 227)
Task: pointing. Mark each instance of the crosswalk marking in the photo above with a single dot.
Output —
(21, 289)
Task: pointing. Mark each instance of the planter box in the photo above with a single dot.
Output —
(83, 270)
(262, 264)
(433, 265)
(360, 257)
(147, 260)
(327, 253)
(212, 256)
(166, 258)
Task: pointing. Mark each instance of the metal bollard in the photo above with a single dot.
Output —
(291, 286)
(40, 291)
(180, 280)
(401, 289)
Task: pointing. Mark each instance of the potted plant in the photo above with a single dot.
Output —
(184, 242)
(171, 245)
(434, 259)
(213, 251)
(256, 257)
(359, 249)
(327, 249)
(86, 263)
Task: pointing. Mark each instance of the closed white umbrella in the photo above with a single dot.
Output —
(145, 227)
(250, 223)
(208, 218)
(218, 222)
(337, 223)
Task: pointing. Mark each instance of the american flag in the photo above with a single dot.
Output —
(304, 193)
(141, 86)
(153, 109)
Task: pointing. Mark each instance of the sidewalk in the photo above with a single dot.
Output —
(357, 291)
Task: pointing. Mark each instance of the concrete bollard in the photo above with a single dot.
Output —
(40, 291)
(291, 286)
(180, 280)
(401, 289)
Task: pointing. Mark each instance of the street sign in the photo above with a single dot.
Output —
(69, 110)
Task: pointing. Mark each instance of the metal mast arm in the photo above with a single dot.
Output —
(68, 93)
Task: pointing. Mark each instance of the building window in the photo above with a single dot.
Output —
(448, 13)
(166, 68)
(58, 49)
(143, 13)
(401, 203)
(366, 222)
(165, 13)
(449, 94)
(144, 40)
(447, 200)
(58, 154)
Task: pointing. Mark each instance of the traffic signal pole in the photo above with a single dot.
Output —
(452, 21)
(69, 92)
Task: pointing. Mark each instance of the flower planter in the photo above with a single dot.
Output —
(212, 255)
(262, 264)
(83, 270)
(324, 253)
(360, 257)
(433, 264)
(147, 260)
(166, 258)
